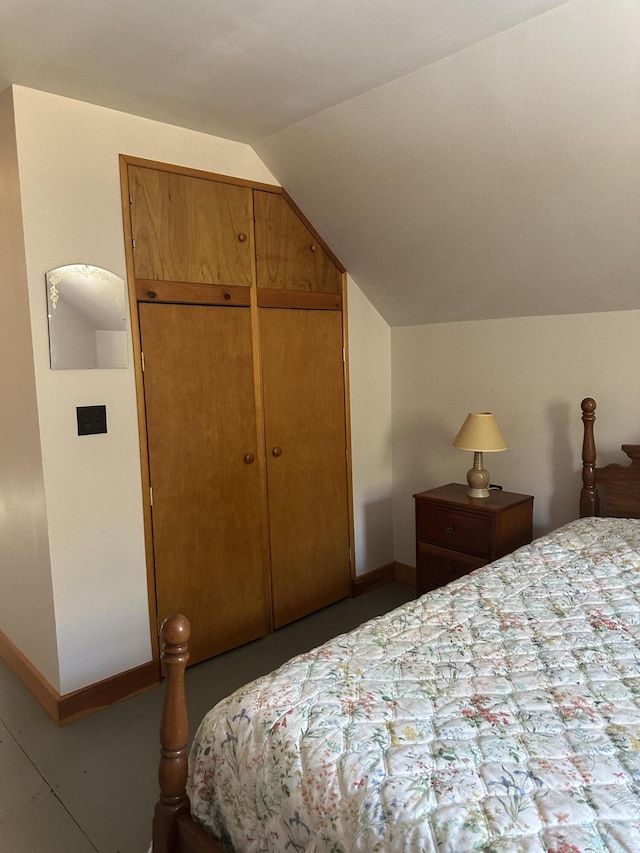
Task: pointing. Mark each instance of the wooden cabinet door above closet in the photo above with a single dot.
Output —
(189, 229)
(288, 255)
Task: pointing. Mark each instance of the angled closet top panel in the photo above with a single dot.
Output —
(189, 229)
(288, 254)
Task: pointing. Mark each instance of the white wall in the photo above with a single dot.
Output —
(411, 388)
(26, 594)
(70, 190)
(532, 372)
(505, 174)
(370, 379)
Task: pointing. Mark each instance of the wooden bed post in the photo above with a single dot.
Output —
(589, 498)
(174, 731)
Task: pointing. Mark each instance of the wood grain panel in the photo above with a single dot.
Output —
(621, 485)
(190, 293)
(200, 173)
(200, 412)
(189, 229)
(303, 384)
(273, 297)
(288, 255)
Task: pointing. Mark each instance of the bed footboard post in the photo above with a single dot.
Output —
(174, 731)
(589, 499)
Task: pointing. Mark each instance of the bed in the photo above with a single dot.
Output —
(499, 713)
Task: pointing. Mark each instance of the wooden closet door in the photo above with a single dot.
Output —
(288, 255)
(189, 229)
(201, 424)
(303, 384)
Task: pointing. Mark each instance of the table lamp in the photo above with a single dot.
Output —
(481, 434)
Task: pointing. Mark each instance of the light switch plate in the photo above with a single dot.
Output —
(91, 419)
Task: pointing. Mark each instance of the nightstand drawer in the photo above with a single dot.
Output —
(456, 534)
(422, 588)
(437, 566)
(459, 530)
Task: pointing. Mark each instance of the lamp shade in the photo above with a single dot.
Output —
(480, 432)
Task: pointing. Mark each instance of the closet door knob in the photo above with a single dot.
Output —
(249, 457)
(277, 451)
(242, 237)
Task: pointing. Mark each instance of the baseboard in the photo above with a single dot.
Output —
(385, 574)
(405, 574)
(372, 580)
(102, 694)
(32, 678)
(66, 708)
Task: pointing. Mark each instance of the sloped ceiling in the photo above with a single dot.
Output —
(501, 181)
(464, 159)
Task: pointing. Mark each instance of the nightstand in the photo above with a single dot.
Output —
(456, 534)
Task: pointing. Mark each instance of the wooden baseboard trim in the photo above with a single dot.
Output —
(102, 694)
(32, 678)
(404, 574)
(64, 709)
(385, 574)
(372, 580)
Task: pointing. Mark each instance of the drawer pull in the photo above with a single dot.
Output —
(449, 528)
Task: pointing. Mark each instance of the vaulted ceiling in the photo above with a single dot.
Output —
(464, 159)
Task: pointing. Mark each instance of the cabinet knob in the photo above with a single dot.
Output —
(227, 296)
(277, 451)
(314, 248)
(151, 294)
(249, 458)
(242, 237)
(449, 528)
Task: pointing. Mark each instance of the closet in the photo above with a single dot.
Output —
(238, 305)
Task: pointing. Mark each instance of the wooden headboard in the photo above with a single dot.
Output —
(613, 490)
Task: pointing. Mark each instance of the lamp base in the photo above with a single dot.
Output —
(478, 478)
(478, 493)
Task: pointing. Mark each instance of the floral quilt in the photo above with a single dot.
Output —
(500, 713)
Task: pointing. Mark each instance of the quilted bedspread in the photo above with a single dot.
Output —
(500, 713)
